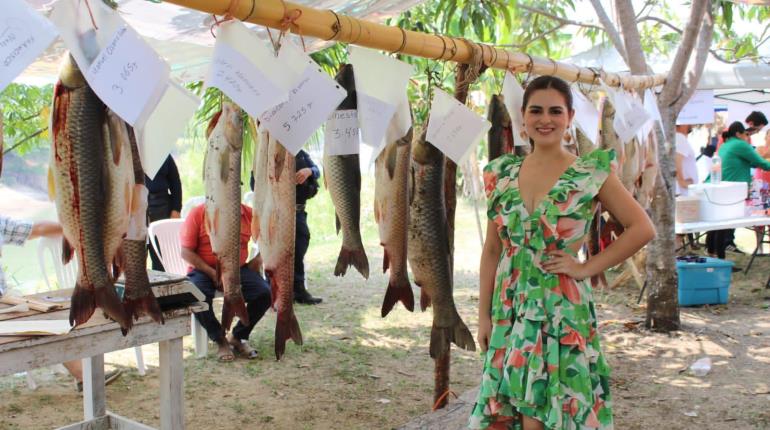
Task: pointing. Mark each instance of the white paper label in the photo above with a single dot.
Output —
(128, 76)
(457, 131)
(310, 103)
(374, 116)
(24, 34)
(77, 29)
(699, 109)
(167, 123)
(586, 115)
(513, 97)
(341, 135)
(243, 82)
(651, 105)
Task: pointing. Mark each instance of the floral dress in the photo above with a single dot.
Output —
(544, 358)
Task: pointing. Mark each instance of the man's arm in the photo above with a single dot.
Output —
(747, 152)
(680, 172)
(45, 229)
(197, 262)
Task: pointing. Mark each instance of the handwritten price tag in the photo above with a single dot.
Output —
(374, 116)
(458, 131)
(310, 103)
(513, 97)
(24, 35)
(341, 135)
(586, 115)
(128, 76)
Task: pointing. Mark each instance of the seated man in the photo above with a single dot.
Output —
(196, 250)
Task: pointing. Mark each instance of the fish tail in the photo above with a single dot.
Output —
(442, 337)
(286, 327)
(352, 257)
(399, 290)
(146, 305)
(107, 300)
(233, 306)
(82, 306)
(424, 299)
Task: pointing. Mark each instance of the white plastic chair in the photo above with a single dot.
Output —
(191, 203)
(248, 200)
(164, 236)
(66, 276)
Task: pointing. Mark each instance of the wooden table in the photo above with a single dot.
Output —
(99, 336)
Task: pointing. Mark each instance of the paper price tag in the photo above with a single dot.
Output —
(24, 34)
(699, 109)
(651, 105)
(310, 103)
(586, 115)
(128, 76)
(513, 98)
(75, 21)
(341, 135)
(374, 116)
(243, 82)
(456, 132)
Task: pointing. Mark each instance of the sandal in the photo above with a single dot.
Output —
(242, 348)
(225, 354)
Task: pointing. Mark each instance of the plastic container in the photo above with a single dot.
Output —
(687, 209)
(704, 283)
(722, 201)
(716, 169)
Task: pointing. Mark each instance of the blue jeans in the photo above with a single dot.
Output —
(256, 293)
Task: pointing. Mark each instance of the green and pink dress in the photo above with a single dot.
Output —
(544, 358)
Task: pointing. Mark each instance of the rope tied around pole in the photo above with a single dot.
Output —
(443, 51)
(336, 27)
(288, 21)
(228, 16)
(473, 70)
(403, 41)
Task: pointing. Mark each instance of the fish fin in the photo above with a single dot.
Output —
(326, 185)
(224, 164)
(234, 305)
(337, 222)
(376, 212)
(82, 305)
(255, 227)
(424, 299)
(398, 291)
(352, 257)
(118, 263)
(213, 123)
(147, 305)
(286, 327)
(51, 185)
(385, 260)
(442, 337)
(280, 159)
(66, 251)
(108, 301)
(390, 160)
(410, 186)
(273, 288)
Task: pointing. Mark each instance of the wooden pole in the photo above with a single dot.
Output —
(326, 24)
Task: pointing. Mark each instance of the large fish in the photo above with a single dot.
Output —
(222, 180)
(391, 211)
(138, 298)
(274, 226)
(428, 249)
(342, 176)
(500, 135)
(584, 144)
(629, 170)
(610, 139)
(80, 185)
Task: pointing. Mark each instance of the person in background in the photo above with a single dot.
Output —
(738, 157)
(307, 187)
(164, 200)
(17, 232)
(756, 122)
(686, 169)
(196, 250)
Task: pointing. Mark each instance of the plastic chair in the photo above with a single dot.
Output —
(191, 203)
(66, 276)
(164, 236)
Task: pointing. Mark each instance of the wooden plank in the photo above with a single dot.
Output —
(453, 417)
(48, 350)
(171, 385)
(118, 422)
(101, 423)
(94, 397)
(55, 294)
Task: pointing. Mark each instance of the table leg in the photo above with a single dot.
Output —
(94, 403)
(171, 385)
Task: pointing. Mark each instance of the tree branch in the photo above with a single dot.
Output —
(631, 38)
(559, 19)
(22, 141)
(672, 89)
(695, 67)
(610, 29)
(529, 41)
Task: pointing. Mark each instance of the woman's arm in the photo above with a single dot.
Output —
(680, 172)
(638, 230)
(490, 255)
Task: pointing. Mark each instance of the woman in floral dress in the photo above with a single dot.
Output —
(543, 367)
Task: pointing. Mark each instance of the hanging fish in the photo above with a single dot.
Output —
(500, 135)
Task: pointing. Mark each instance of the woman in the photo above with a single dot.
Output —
(738, 157)
(544, 368)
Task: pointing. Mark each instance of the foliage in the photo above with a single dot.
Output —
(26, 111)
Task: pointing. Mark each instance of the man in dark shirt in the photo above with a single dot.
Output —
(164, 200)
(307, 180)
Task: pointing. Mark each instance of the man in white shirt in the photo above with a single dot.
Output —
(686, 167)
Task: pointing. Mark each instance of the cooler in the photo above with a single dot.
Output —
(706, 282)
(722, 201)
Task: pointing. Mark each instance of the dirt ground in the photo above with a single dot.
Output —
(358, 371)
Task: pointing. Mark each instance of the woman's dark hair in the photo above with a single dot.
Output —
(732, 131)
(544, 83)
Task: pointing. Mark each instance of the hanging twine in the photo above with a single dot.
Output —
(228, 16)
(469, 73)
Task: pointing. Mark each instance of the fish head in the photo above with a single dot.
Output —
(70, 74)
(498, 113)
(346, 80)
(232, 115)
(423, 151)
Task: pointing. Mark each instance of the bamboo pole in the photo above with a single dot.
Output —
(325, 24)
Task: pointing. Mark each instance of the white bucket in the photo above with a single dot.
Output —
(722, 201)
